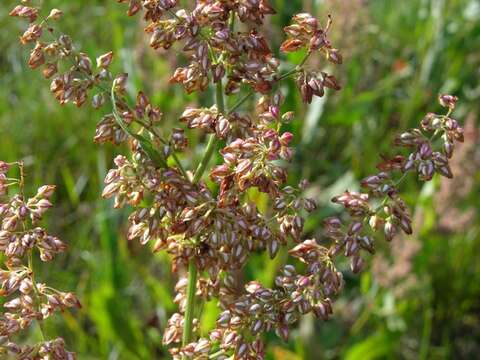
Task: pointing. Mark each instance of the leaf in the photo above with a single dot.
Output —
(378, 346)
(313, 116)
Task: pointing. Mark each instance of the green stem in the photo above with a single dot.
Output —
(240, 102)
(192, 268)
(216, 355)
(152, 131)
(231, 22)
(296, 68)
(179, 164)
(282, 77)
(211, 144)
(219, 96)
(190, 306)
(37, 293)
(212, 140)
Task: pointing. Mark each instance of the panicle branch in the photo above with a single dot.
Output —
(25, 300)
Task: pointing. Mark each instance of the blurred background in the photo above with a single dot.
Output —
(420, 296)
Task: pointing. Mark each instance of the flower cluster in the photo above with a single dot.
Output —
(379, 207)
(75, 78)
(209, 120)
(24, 299)
(250, 162)
(215, 48)
(211, 232)
(306, 32)
(72, 85)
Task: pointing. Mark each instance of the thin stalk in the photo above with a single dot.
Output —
(282, 77)
(212, 140)
(192, 268)
(190, 306)
(37, 293)
(296, 68)
(240, 102)
(145, 144)
(152, 131)
(179, 164)
(202, 166)
(231, 22)
(216, 355)
(21, 183)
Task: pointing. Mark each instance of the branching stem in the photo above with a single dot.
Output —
(37, 292)
(192, 268)
(293, 71)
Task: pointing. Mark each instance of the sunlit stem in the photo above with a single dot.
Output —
(37, 292)
(291, 72)
(192, 268)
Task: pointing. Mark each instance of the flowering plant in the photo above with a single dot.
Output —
(211, 231)
(26, 300)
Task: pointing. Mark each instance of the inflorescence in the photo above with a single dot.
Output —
(213, 230)
(26, 300)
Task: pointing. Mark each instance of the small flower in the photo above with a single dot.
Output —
(24, 300)
(448, 101)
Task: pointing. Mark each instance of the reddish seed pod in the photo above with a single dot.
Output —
(105, 60)
(389, 230)
(49, 70)
(55, 14)
(448, 101)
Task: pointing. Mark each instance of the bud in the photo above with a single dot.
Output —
(356, 264)
(425, 150)
(105, 60)
(331, 82)
(120, 82)
(98, 100)
(218, 71)
(288, 116)
(4, 167)
(389, 230)
(291, 45)
(49, 70)
(46, 191)
(37, 57)
(448, 101)
(334, 56)
(445, 171)
(70, 300)
(55, 14)
(375, 222)
(65, 41)
(309, 205)
(355, 227)
(84, 63)
(448, 148)
(25, 12)
(222, 127)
